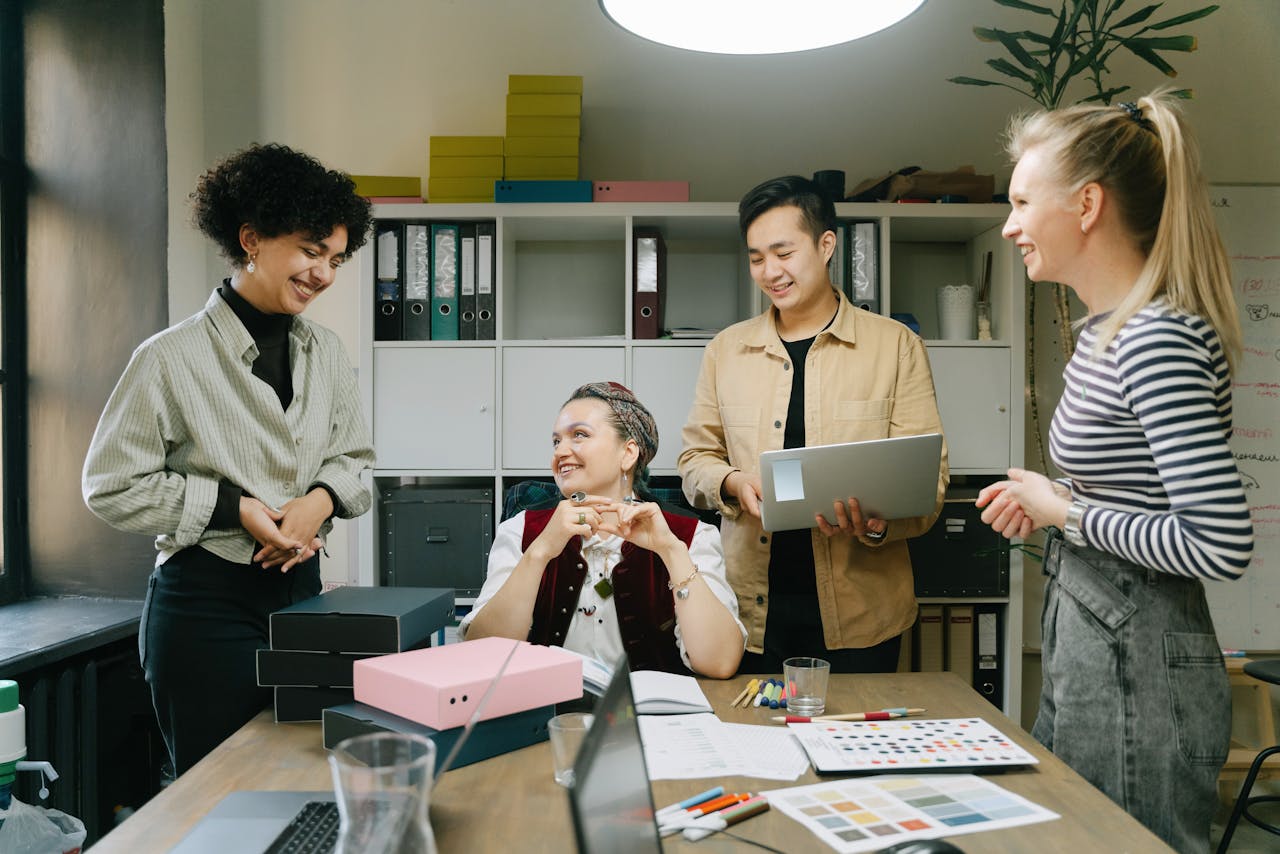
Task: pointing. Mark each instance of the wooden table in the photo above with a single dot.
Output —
(511, 803)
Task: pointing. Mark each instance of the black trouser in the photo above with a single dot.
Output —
(794, 627)
(203, 622)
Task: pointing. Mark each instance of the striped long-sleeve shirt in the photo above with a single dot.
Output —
(188, 413)
(1141, 432)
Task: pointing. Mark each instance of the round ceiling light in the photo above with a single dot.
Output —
(756, 26)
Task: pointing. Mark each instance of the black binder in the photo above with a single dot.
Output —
(486, 275)
(388, 282)
(988, 651)
(467, 281)
(417, 287)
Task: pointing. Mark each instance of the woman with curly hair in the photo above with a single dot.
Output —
(605, 572)
(234, 438)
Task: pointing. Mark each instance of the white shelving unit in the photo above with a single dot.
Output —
(479, 413)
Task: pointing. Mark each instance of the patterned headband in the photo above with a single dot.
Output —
(637, 421)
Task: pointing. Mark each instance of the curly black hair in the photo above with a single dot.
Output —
(277, 191)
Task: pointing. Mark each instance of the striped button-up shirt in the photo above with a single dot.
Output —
(188, 412)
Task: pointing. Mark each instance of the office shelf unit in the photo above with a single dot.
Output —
(479, 413)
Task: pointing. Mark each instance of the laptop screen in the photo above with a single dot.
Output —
(610, 798)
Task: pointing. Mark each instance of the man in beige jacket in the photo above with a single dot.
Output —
(811, 370)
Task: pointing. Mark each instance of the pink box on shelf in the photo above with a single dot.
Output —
(640, 191)
(441, 686)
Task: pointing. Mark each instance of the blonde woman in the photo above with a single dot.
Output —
(1109, 200)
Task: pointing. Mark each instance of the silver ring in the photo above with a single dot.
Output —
(582, 518)
(297, 550)
(578, 497)
(631, 499)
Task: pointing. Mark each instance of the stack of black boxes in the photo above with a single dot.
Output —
(315, 642)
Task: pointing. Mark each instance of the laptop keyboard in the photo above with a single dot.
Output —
(314, 830)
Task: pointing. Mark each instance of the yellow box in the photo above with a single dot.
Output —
(461, 200)
(466, 146)
(541, 146)
(544, 126)
(542, 167)
(544, 105)
(388, 185)
(519, 83)
(455, 187)
(466, 167)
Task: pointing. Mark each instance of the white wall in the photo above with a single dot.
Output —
(362, 84)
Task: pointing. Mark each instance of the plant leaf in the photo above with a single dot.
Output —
(1026, 7)
(1183, 44)
(1105, 97)
(971, 81)
(1006, 67)
(1137, 17)
(1027, 35)
(1011, 44)
(1185, 94)
(1150, 56)
(1182, 19)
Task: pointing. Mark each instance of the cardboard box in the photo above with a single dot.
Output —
(466, 146)
(441, 687)
(363, 619)
(640, 191)
(488, 738)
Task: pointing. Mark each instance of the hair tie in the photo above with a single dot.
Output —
(1135, 113)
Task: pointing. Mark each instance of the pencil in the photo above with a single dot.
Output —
(883, 715)
(751, 686)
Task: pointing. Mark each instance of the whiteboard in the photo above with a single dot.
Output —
(1246, 613)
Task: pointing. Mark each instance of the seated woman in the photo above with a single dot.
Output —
(604, 572)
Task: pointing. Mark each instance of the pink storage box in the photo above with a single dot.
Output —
(640, 191)
(441, 686)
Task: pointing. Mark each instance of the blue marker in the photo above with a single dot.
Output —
(702, 797)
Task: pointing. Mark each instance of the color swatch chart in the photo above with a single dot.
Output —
(909, 744)
(870, 813)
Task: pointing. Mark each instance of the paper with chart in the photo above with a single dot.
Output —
(870, 813)
(908, 744)
(688, 747)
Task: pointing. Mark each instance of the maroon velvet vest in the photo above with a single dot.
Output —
(646, 609)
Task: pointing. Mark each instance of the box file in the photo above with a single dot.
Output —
(930, 639)
(959, 555)
(541, 146)
(466, 146)
(444, 282)
(960, 641)
(864, 265)
(542, 191)
(455, 188)
(442, 686)
(989, 663)
(489, 738)
(544, 104)
(299, 705)
(467, 282)
(388, 285)
(544, 126)
(570, 83)
(417, 288)
(387, 185)
(362, 619)
(291, 667)
(466, 167)
(542, 167)
(640, 191)
(486, 266)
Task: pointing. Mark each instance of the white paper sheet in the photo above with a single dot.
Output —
(687, 747)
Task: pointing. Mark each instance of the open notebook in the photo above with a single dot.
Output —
(656, 692)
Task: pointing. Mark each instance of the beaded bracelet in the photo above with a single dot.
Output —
(682, 589)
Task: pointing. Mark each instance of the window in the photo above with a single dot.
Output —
(13, 185)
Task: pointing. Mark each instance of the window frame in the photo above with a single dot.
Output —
(14, 181)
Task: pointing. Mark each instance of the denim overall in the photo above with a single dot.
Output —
(1135, 695)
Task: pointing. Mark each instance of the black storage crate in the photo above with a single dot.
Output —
(436, 537)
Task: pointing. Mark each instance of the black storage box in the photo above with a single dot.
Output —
(303, 705)
(436, 537)
(490, 737)
(279, 667)
(959, 555)
(363, 619)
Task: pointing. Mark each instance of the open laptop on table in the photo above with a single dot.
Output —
(287, 822)
(891, 478)
(610, 798)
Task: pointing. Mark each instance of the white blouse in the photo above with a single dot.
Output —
(594, 628)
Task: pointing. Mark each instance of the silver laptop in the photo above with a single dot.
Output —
(610, 799)
(891, 478)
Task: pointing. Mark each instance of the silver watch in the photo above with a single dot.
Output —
(1073, 530)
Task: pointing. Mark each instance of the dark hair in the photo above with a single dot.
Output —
(630, 419)
(817, 210)
(277, 191)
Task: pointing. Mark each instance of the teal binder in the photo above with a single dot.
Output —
(444, 282)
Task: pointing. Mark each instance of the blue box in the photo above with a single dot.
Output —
(542, 191)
